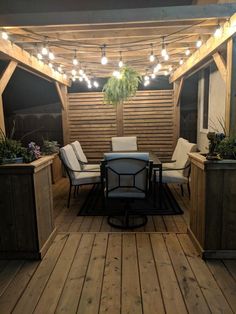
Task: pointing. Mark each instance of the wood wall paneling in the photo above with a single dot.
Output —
(149, 116)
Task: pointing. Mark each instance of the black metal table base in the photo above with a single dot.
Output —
(128, 221)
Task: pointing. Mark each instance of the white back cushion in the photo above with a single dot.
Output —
(178, 147)
(182, 157)
(124, 143)
(70, 159)
(79, 151)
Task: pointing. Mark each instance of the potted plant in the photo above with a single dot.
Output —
(120, 88)
(50, 147)
(227, 148)
(11, 151)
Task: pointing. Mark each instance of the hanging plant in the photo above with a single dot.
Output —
(120, 88)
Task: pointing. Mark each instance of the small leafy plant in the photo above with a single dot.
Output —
(227, 148)
(121, 88)
(32, 152)
(50, 147)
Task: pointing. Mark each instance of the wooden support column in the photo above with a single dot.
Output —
(62, 93)
(230, 103)
(4, 79)
(2, 122)
(119, 119)
(178, 86)
(220, 63)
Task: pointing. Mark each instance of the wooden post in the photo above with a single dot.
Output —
(4, 79)
(119, 119)
(2, 122)
(63, 96)
(230, 103)
(178, 85)
(220, 63)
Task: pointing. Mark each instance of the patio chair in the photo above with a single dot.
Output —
(82, 157)
(76, 174)
(124, 143)
(178, 169)
(126, 177)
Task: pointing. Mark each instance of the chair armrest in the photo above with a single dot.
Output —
(169, 161)
(80, 170)
(167, 169)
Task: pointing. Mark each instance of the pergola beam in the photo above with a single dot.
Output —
(6, 75)
(221, 65)
(206, 50)
(172, 13)
(28, 61)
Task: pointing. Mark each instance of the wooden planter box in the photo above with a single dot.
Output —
(56, 168)
(26, 209)
(213, 206)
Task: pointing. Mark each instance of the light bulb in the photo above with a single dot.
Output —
(166, 57)
(187, 52)
(218, 31)
(81, 72)
(181, 61)
(146, 77)
(116, 74)
(80, 79)
(170, 68)
(153, 76)
(4, 35)
(59, 68)
(44, 51)
(104, 60)
(89, 85)
(39, 56)
(199, 43)
(95, 84)
(152, 57)
(75, 61)
(146, 83)
(73, 72)
(166, 73)
(73, 79)
(50, 65)
(121, 64)
(64, 76)
(51, 56)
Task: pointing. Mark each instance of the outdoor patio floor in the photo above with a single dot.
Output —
(95, 271)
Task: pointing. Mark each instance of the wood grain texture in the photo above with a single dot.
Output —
(149, 116)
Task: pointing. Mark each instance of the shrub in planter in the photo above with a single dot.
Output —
(50, 147)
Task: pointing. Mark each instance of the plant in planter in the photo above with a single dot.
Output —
(32, 152)
(121, 88)
(50, 147)
(227, 148)
(11, 151)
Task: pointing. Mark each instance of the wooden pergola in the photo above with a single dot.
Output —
(179, 27)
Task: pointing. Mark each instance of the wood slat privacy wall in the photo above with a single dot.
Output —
(149, 116)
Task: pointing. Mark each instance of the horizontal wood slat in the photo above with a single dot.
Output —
(149, 116)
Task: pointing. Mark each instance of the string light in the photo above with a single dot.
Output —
(4, 35)
(104, 59)
(151, 57)
(73, 72)
(181, 61)
(50, 65)
(81, 72)
(170, 68)
(153, 76)
(75, 60)
(146, 77)
(59, 69)
(39, 56)
(64, 76)
(116, 74)
(121, 61)
(146, 83)
(187, 52)
(44, 50)
(89, 85)
(157, 67)
(95, 84)
(199, 43)
(51, 55)
(73, 79)
(166, 57)
(218, 31)
(81, 79)
(166, 73)
(163, 49)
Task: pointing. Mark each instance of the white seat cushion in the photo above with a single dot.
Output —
(79, 151)
(172, 176)
(93, 167)
(86, 178)
(124, 143)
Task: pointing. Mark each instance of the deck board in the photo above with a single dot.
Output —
(145, 273)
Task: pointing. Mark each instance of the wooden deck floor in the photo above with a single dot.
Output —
(67, 219)
(114, 272)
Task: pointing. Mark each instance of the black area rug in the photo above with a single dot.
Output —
(94, 206)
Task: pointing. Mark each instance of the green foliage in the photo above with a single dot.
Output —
(118, 90)
(50, 147)
(227, 148)
(9, 148)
